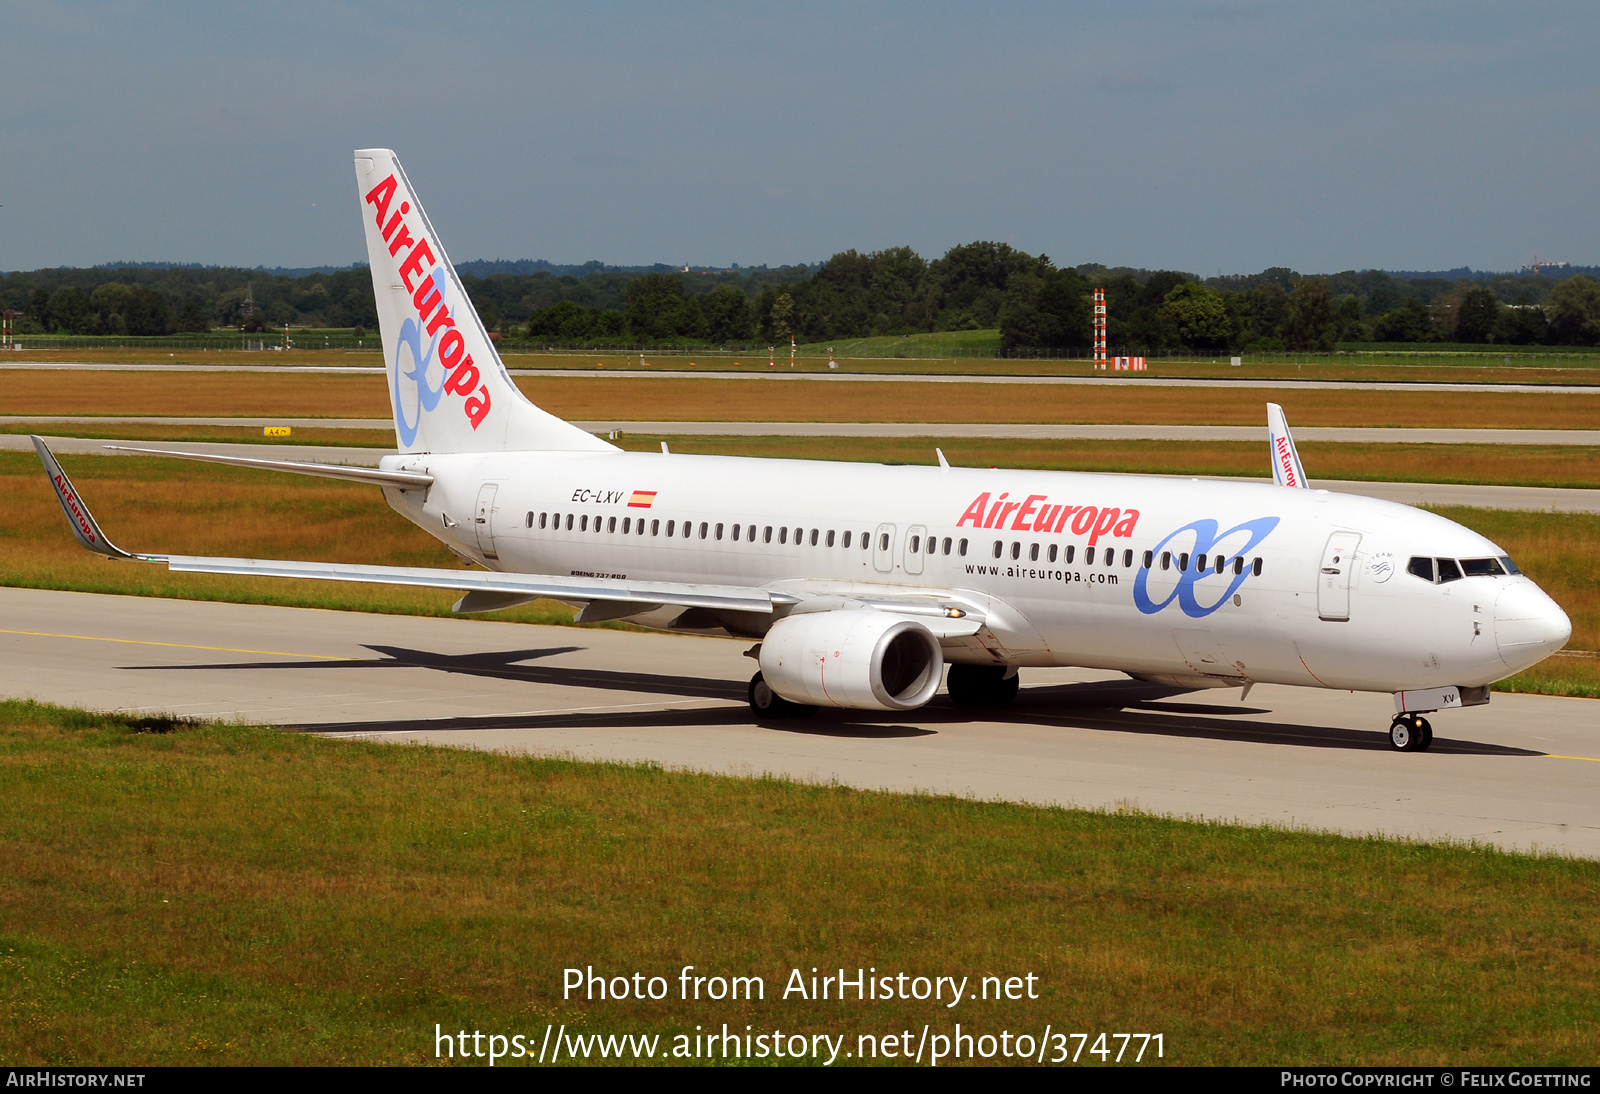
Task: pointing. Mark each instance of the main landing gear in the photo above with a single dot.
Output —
(1410, 733)
(767, 704)
(982, 685)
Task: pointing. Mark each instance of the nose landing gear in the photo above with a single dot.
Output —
(1410, 733)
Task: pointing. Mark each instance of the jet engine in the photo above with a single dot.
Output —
(864, 659)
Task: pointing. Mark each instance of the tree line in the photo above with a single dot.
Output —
(976, 286)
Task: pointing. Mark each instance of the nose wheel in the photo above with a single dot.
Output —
(1410, 733)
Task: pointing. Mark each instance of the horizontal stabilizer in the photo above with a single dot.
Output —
(405, 480)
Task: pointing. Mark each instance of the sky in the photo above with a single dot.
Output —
(1206, 137)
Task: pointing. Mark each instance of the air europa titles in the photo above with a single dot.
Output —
(1035, 513)
(427, 296)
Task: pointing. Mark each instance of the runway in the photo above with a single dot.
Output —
(1523, 772)
(858, 374)
(1541, 498)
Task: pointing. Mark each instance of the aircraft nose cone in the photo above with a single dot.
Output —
(1528, 625)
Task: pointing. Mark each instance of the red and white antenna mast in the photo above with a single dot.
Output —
(1099, 328)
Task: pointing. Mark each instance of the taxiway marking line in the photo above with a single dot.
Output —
(178, 645)
(1591, 759)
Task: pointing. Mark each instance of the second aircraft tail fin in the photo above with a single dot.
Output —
(447, 386)
(1286, 469)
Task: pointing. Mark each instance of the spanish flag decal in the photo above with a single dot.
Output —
(642, 499)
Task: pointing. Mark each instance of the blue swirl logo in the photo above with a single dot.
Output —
(427, 396)
(1206, 540)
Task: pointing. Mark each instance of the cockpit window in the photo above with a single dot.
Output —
(1421, 567)
(1481, 567)
(1448, 570)
(1511, 567)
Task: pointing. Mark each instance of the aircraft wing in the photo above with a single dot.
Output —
(487, 590)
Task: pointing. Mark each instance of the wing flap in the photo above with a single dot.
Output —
(584, 590)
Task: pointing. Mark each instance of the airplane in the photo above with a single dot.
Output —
(861, 582)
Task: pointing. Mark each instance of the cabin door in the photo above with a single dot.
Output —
(1333, 579)
(483, 520)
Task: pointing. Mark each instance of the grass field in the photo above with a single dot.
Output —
(179, 893)
(173, 506)
(45, 392)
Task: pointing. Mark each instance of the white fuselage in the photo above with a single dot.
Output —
(1313, 587)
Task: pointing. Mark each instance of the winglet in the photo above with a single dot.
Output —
(1286, 469)
(79, 518)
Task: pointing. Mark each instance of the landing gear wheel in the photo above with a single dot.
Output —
(767, 704)
(981, 685)
(1410, 733)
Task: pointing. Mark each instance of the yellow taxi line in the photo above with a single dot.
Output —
(178, 645)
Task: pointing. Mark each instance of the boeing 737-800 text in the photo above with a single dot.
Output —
(862, 581)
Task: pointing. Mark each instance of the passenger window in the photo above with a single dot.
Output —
(999, 548)
(933, 545)
(1200, 563)
(1421, 567)
(1016, 550)
(1111, 556)
(961, 548)
(1183, 561)
(671, 524)
(639, 527)
(1071, 550)
(813, 537)
(569, 522)
(766, 535)
(1149, 557)
(1238, 565)
(1088, 557)
(1033, 553)
(846, 541)
(1127, 561)
(1255, 567)
(655, 528)
(1448, 570)
(783, 534)
(830, 537)
(799, 534)
(627, 524)
(1221, 563)
(703, 531)
(946, 545)
(866, 540)
(883, 542)
(583, 525)
(530, 519)
(1166, 559)
(703, 528)
(1051, 554)
(544, 519)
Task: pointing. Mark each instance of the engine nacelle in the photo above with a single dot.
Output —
(863, 659)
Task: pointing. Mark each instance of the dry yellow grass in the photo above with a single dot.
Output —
(45, 392)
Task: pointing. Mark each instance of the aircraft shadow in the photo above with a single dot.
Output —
(1120, 706)
(503, 665)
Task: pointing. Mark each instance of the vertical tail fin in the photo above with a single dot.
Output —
(447, 386)
(1286, 469)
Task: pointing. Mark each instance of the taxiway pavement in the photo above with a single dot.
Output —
(1522, 772)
